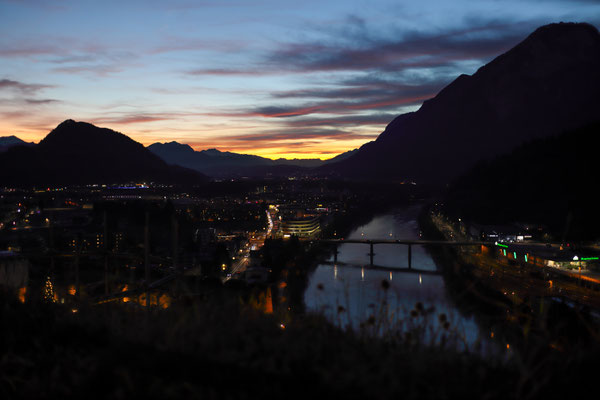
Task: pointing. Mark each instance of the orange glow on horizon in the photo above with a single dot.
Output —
(233, 138)
(290, 155)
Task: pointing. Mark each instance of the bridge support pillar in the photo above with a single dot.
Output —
(335, 254)
(409, 256)
(371, 253)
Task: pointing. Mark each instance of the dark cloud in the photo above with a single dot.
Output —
(370, 90)
(345, 121)
(382, 102)
(71, 55)
(24, 88)
(364, 88)
(349, 98)
(135, 118)
(228, 71)
(25, 49)
(388, 73)
(41, 101)
(95, 69)
(395, 53)
(362, 49)
(93, 59)
(193, 44)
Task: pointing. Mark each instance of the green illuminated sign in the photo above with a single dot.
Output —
(515, 255)
(525, 257)
(502, 245)
(588, 258)
(504, 253)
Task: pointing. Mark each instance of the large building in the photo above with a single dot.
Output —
(545, 256)
(304, 227)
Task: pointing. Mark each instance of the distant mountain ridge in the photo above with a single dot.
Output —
(81, 153)
(219, 163)
(7, 142)
(546, 181)
(547, 84)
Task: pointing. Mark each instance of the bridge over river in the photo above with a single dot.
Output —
(404, 242)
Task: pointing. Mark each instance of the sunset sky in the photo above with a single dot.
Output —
(274, 78)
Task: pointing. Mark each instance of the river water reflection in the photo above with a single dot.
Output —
(348, 293)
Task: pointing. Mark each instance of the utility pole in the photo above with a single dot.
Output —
(147, 256)
(175, 236)
(77, 253)
(51, 244)
(105, 254)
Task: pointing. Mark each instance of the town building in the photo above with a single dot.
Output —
(303, 227)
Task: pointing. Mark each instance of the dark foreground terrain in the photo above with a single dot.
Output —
(214, 346)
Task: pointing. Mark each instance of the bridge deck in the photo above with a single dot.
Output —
(401, 241)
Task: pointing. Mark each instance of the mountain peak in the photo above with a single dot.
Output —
(79, 152)
(10, 141)
(545, 85)
(70, 133)
(67, 122)
(551, 47)
(170, 146)
(565, 28)
(212, 152)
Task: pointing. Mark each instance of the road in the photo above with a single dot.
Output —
(519, 280)
(255, 241)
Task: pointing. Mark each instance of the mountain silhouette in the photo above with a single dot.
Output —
(221, 164)
(547, 84)
(81, 153)
(546, 181)
(7, 142)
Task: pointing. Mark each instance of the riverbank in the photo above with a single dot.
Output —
(302, 259)
(519, 279)
(555, 342)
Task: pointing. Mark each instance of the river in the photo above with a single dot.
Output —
(349, 293)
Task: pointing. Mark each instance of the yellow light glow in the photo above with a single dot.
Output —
(22, 292)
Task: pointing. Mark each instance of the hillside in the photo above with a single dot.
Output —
(548, 181)
(547, 84)
(7, 142)
(223, 163)
(81, 153)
